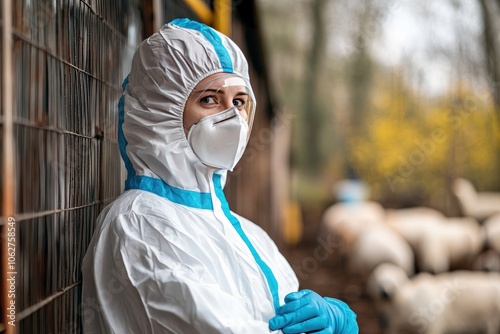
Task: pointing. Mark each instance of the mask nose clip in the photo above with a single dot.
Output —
(224, 120)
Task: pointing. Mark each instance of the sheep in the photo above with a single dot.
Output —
(453, 244)
(488, 260)
(413, 223)
(377, 244)
(492, 227)
(479, 205)
(439, 243)
(384, 281)
(452, 302)
(344, 221)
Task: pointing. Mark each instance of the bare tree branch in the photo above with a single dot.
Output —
(491, 52)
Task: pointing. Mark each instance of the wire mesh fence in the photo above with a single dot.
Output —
(69, 59)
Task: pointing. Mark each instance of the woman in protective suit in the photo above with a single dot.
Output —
(168, 255)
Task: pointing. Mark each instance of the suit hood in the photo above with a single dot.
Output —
(165, 69)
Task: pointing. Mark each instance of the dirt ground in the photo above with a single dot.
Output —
(324, 273)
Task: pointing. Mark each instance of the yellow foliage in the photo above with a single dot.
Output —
(411, 145)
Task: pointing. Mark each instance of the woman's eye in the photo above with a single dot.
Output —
(208, 100)
(238, 103)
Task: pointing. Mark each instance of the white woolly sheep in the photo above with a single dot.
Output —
(413, 223)
(488, 260)
(479, 205)
(439, 243)
(343, 221)
(448, 303)
(492, 227)
(453, 244)
(377, 244)
(384, 281)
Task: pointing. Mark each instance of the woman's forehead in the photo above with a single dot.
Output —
(221, 80)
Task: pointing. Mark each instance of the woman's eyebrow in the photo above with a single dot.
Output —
(220, 91)
(201, 91)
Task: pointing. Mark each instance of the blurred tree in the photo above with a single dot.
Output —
(491, 52)
(490, 14)
(360, 68)
(286, 30)
(311, 115)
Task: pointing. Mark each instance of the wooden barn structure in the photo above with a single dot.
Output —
(63, 63)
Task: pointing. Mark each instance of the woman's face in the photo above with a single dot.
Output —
(215, 93)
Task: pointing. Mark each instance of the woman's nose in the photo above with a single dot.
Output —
(229, 104)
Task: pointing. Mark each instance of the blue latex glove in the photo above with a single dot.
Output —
(307, 312)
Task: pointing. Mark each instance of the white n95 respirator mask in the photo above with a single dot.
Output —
(219, 140)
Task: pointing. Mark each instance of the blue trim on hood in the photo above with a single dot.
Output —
(268, 273)
(212, 37)
(122, 142)
(188, 198)
(193, 199)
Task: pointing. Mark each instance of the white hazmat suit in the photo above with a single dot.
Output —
(168, 256)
